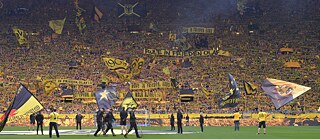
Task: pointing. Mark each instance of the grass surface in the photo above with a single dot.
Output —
(276, 132)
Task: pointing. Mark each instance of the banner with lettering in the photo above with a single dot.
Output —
(199, 30)
(150, 85)
(176, 53)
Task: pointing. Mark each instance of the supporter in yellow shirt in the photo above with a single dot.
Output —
(54, 116)
(236, 120)
(262, 116)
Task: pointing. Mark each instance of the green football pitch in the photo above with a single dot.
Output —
(275, 132)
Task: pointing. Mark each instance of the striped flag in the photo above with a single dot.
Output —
(282, 92)
(24, 104)
(97, 14)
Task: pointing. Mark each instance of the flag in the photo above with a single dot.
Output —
(232, 98)
(135, 9)
(81, 23)
(166, 70)
(282, 92)
(136, 66)
(128, 102)
(106, 97)
(57, 25)
(20, 34)
(115, 64)
(224, 53)
(249, 88)
(97, 14)
(24, 104)
(172, 36)
(186, 95)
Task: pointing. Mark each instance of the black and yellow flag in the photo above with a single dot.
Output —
(249, 88)
(20, 34)
(24, 104)
(136, 66)
(115, 64)
(128, 102)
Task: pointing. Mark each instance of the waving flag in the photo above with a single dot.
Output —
(57, 25)
(106, 97)
(21, 35)
(24, 103)
(115, 64)
(250, 88)
(97, 14)
(128, 102)
(232, 98)
(282, 92)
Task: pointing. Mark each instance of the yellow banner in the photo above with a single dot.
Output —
(77, 82)
(198, 30)
(114, 64)
(57, 25)
(20, 34)
(150, 85)
(136, 66)
(147, 94)
(51, 85)
(164, 52)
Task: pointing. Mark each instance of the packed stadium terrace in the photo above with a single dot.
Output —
(255, 52)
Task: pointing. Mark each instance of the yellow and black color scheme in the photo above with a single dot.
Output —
(186, 95)
(24, 104)
(128, 102)
(249, 88)
(231, 99)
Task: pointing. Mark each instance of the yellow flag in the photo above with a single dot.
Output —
(57, 25)
(166, 70)
(172, 36)
(115, 64)
(20, 34)
(136, 66)
(224, 53)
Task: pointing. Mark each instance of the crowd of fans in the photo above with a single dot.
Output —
(255, 54)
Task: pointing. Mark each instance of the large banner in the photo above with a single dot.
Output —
(150, 85)
(164, 52)
(199, 30)
(51, 84)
